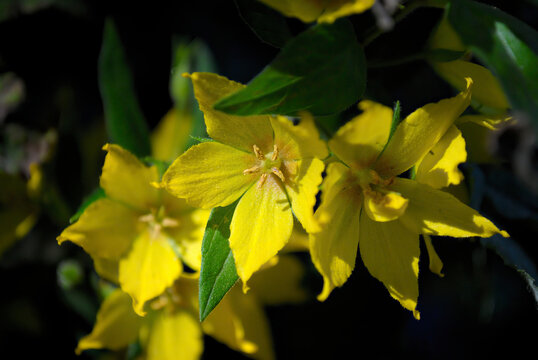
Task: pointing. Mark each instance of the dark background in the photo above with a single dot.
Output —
(480, 308)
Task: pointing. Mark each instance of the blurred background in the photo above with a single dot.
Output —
(51, 114)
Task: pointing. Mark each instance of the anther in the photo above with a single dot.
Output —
(278, 173)
(252, 170)
(275, 153)
(263, 177)
(258, 152)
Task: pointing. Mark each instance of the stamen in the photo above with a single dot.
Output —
(253, 169)
(258, 152)
(278, 173)
(263, 177)
(169, 222)
(275, 153)
(146, 218)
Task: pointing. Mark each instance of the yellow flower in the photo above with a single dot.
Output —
(488, 96)
(362, 199)
(136, 233)
(272, 165)
(319, 10)
(18, 208)
(171, 329)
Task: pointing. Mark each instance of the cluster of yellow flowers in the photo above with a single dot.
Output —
(146, 234)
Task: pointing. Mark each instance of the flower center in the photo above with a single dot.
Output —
(269, 163)
(371, 183)
(156, 220)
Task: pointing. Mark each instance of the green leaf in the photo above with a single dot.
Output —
(269, 25)
(218, 273)
(125, 122)
(88, 200)
(322, 70)
(506, 46)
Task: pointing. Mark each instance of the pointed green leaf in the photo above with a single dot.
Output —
(507, 46)
(269, 25)
(515, 257)
(218, 273)
(125, 122)
(322, 70)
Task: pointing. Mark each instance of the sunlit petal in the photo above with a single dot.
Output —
(384, 207)
(238, 131)
(210, 174)
(419, 132)
(116, 326)
(359, 142)
(298, 141)
(436, 265)
(391, 253)
(260, 227)
(435, 212)
(175, 335)
(127, 180)
(302, 190)
(439, 167)
(105, 229)
(149, 269)
(334, 247)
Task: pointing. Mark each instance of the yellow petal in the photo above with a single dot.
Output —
(171, 135)
(444, 37)
(127, 180)
(391, 252)
(239, 131)
(302, 190)
(149, 269)
(435, 212)
(260, 227)
(384, 207)
(298, 141)
(489, 122)
(334, 247)
(359, 142)
(436, 265)
(280, 284)
(323, 11)
(189, 231)
(240, 322)
(210, 174)
(105, 229)
(419, 132)
(487, 90)
(298, 240)
(176, 335)
(305, 10)
(107, 269)
(439, 168)
(116, 326)
(338, 9)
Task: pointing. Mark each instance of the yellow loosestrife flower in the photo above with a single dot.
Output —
(488, 95)
(137, 231)
(272, 165)
(171, 330)
(326, 11)
(365, 205)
